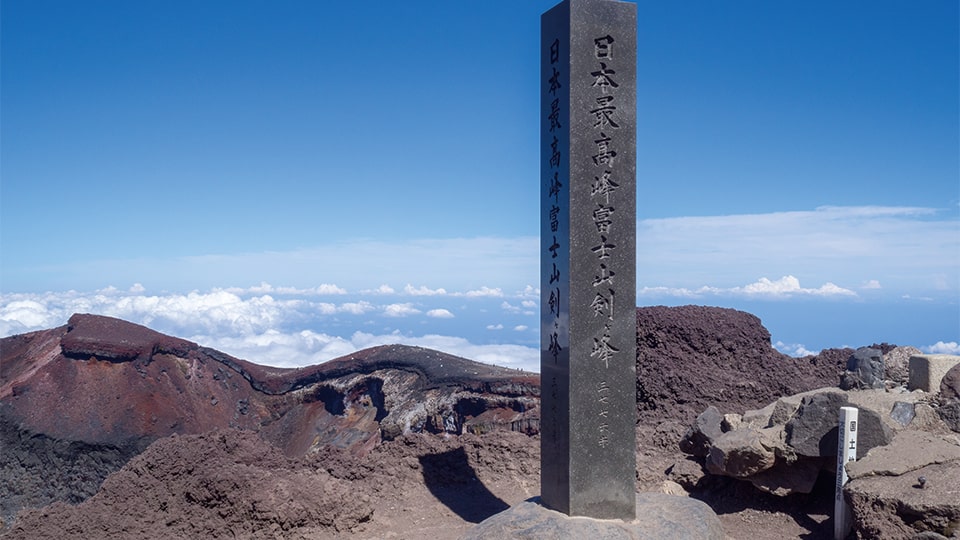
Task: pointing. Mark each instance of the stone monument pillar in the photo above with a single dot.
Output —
(588, 258)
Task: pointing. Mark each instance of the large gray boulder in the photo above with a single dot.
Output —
(896, 364)
(661, 517)
(812, 431)
(864, 370)
(740, 453)
(699, 438)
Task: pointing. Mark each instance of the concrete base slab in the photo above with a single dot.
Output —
(659, 517)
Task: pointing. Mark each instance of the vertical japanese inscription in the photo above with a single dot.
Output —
(606, 127)
(555, 188)
(554, 265)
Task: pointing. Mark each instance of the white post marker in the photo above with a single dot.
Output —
(846, 451)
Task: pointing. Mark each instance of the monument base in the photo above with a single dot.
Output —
(659, 517)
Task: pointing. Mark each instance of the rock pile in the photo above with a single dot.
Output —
(783, 447)
(906, 477)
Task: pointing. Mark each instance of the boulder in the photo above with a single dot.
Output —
(887, 498)
(740, 454)
(909, 451)
(661, 516)
(950, 384)
(950, 398)
(950, 414)
(896, 364)
(897, 507)
(698, 439)
(812, 431)
(864, 370)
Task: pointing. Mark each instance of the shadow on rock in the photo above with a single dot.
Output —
(453, 481)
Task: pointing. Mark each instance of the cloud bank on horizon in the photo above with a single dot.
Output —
(870, 257)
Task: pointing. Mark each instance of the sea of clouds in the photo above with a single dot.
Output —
(289, 327)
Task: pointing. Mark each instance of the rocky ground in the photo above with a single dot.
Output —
(237, 481)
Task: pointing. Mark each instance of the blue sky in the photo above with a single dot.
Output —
(291, 181)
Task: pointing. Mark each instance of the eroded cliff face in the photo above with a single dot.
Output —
(77, 402)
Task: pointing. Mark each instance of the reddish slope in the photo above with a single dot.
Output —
(105, 387)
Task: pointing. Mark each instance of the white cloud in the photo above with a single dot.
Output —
(137, 288)
(400, 310)
(382, 289)
(440, 314)
(507, 306)
(951, 347)
(485, 291)
(785, 287)
(325, 308)
(25, 315)
(793, 349)
(494, 327)
(872, 284)
(357, 308)
(521, 328)
(789, 285)
(328, 288)
(529, 292)
(423, 291)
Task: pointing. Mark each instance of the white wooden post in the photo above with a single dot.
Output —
(846, 451)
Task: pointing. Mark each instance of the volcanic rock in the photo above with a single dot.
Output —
(950, 384)
(222, 484)
(740, 453)
(691, 357)
(864, 370)
(886, 497)
(950, 398)
(702, 434)
(813, 429)
(784, 447)
(896, 364)
(77, 402)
